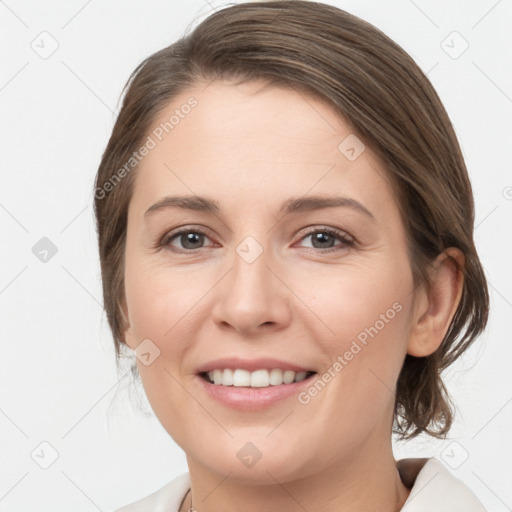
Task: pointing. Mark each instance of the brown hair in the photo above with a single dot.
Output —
(391, 105)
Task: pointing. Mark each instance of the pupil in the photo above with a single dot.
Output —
(191, 238)
(321, 238)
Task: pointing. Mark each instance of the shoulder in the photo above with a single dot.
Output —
(165, 499)
(435, 488)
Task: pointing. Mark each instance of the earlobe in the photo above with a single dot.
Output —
(436, 306)
(127, 335)
(128, 338)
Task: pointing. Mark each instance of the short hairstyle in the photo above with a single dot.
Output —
(389, 103)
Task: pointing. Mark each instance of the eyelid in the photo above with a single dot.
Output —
(328, 229)
(197, 228)
(347, 241)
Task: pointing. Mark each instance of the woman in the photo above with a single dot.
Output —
(285, 231)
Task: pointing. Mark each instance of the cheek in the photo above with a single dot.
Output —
(161, 308)
(367, 314)
(361, 320)
(160, 302)
(353, 297)
(166, 306)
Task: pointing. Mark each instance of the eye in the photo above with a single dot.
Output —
(189, 239)
(192, 239)
(323, 239)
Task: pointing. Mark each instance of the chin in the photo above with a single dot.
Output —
(257, 462)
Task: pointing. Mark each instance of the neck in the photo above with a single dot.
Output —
(368, 481)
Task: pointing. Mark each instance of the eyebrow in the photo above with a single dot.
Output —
(292, 205)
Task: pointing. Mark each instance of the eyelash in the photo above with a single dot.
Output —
(340, 235)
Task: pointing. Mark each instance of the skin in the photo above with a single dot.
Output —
(250, 148)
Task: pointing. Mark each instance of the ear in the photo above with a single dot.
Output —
(435, 307)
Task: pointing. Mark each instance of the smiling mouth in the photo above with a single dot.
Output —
(257, 379)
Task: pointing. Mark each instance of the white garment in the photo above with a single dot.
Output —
(434, 489)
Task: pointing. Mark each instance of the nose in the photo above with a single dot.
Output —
(253, 297)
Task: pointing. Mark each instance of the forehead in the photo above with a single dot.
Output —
(226, 113)
(256, 141)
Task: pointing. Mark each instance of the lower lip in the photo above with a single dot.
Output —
(251, 399)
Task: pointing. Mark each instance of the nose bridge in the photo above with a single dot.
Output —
(252, 295)
(252, 263)
(251, 275)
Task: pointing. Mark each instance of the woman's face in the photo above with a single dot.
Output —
(271, 278)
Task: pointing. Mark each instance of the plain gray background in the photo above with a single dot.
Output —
(63, 406)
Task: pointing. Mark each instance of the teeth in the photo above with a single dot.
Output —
(256, 379)
(227, 377)
(260, 379)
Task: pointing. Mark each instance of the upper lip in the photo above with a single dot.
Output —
(250, 364)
